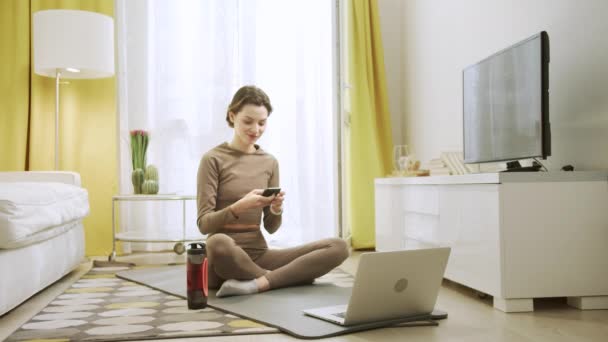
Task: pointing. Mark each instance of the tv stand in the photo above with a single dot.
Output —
(533, 168)
(515, 236)
(515, 166)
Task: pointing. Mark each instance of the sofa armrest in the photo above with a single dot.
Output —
(67, 177)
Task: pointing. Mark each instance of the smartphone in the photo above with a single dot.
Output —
(271, 191)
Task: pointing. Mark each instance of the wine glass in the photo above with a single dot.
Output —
(401, 154)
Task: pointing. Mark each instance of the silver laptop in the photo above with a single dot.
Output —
(389, 286)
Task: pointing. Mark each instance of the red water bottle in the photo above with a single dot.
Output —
(196, 276)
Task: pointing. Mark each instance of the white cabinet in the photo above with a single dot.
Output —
(515, 236)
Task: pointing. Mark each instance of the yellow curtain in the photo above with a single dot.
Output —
(371, 138)
(88, 133)
(14, 83)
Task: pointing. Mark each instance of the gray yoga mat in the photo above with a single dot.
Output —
(281, 308)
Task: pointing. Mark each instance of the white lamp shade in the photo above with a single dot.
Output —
(71, 40)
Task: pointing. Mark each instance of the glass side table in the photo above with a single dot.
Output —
(134, 236)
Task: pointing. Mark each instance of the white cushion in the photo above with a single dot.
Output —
(29, 208)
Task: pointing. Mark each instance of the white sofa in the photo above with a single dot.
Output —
(41, 231)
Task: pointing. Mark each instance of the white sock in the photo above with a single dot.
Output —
(232, 287)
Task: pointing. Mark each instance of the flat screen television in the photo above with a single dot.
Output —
(506, 104)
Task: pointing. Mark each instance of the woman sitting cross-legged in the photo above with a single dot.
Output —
(231, 179)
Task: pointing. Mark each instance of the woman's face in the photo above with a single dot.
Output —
(249, 123)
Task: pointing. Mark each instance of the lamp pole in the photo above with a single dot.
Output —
(57, 77)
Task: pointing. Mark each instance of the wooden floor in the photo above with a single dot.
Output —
(471, 318)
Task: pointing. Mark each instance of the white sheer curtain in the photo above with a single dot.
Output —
(180, 62)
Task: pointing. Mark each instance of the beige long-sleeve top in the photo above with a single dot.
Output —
(225, 175)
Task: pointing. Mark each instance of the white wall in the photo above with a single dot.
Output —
(441, 37)
(392, 26)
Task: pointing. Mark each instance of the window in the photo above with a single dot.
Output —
(180, 62)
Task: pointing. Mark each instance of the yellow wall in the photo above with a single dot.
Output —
(14, 83)
(88, 133)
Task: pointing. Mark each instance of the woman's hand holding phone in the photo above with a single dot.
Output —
(252, 200)
(278, 196)
(271, 191)
(276, 205)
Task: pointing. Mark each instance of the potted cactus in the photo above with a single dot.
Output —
(150, 184)
(139, 147)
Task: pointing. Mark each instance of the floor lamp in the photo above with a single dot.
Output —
(72, 44)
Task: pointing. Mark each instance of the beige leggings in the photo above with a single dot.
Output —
(290, 266)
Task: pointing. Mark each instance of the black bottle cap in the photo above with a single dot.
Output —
(197, 248)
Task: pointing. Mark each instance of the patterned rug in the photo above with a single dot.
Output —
(102, 307)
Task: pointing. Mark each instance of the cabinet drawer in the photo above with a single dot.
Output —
(421, 227)
(387, 218)
(422, 199)
(469, 223)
